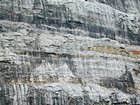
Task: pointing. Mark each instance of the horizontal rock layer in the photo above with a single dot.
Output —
(73, 52)
(119, 20)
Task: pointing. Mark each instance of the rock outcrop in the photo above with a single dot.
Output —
(69, 52)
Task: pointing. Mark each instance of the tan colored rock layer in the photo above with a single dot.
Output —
(114, 50)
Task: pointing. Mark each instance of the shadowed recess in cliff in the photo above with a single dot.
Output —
(124, 83)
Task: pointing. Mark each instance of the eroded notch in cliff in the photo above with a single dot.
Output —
(125, 83)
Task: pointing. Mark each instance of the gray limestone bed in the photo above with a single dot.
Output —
(64, 52)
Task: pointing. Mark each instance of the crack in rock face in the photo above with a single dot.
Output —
(69, 52)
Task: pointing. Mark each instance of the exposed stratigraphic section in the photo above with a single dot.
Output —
(31, 57)
(79, 17)
(69, 52)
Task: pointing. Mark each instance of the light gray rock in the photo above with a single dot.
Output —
(69, 52)
(117, 20)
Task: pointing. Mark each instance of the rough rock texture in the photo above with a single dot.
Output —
(69, 52)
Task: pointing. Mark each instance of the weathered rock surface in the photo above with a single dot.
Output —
(69, 52)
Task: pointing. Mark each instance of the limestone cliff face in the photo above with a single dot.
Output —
(69, 52)
(117, 20)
